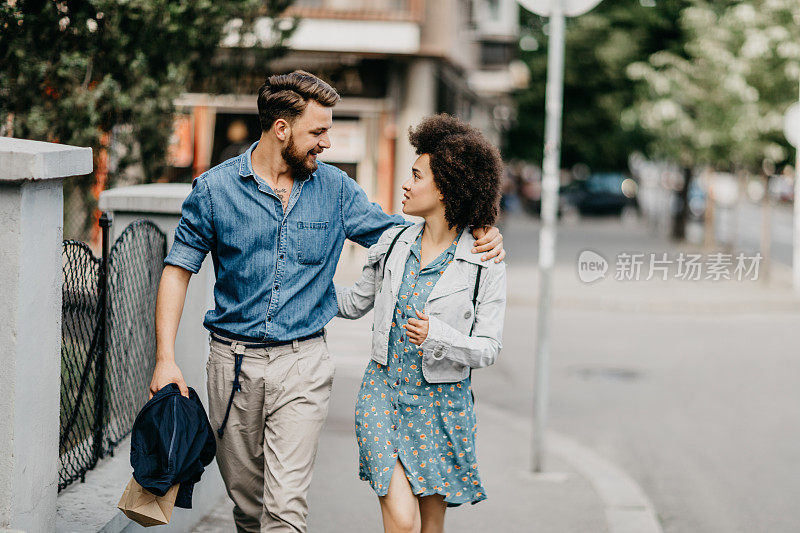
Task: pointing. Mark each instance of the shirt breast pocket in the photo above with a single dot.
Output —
(312, 242)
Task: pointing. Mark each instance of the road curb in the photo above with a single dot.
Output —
(627, 507)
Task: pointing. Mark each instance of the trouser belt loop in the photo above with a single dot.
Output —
(238, 357)
(295, 346)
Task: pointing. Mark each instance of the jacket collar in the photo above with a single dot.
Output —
(463, 248)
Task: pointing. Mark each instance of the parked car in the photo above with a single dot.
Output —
(606, 193)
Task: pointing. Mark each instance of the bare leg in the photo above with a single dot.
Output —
(400, 508)
(431, 509)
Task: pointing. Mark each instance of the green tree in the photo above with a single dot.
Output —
(599, 47)
(722, 103)
(72, 70)
(75, 71)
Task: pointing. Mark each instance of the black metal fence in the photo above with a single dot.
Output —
(107, 342)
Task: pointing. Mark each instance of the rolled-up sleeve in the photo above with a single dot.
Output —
(194, 235)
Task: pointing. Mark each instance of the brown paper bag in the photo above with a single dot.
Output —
(144, 507)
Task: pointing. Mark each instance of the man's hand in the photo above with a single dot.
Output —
(167, 372)
(417, 328)
(489, 239)
(169, 306)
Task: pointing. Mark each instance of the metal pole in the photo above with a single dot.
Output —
(102, 345)
(547, 234)
(766, 232)
(796, 233)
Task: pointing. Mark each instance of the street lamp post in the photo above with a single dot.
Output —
(555, 10)
(791, 129)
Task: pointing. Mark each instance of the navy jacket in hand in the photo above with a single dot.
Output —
(172, 442)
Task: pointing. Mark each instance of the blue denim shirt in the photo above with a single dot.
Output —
(274, 270)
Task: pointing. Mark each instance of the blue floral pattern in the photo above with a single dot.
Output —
(430, 427)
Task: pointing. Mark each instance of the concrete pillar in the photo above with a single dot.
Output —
(31, 233)
(161, 204)
(417, 100)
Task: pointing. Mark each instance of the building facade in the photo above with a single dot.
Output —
(393, 61)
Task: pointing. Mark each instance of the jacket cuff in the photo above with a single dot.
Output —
(340, 295)
(435, 344)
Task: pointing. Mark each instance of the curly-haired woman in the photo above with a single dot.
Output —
(438, 314)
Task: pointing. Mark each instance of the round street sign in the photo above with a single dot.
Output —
(571, 8)
(791, 124)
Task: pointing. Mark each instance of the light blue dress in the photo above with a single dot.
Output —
(430, 427)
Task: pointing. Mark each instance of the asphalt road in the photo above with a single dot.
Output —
(698, 403)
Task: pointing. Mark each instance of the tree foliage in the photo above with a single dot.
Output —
(722, 102)
(599, 46)
(73, 71)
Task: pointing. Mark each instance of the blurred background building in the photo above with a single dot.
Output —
(393, 61)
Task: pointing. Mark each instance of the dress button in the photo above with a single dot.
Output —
(468, 314)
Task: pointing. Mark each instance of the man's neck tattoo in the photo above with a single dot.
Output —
(283, 196)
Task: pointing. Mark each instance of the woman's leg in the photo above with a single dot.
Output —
(400, 508)
(431, 509)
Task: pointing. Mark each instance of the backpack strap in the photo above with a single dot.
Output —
(475, 316)
(391, 247)
(475, 298)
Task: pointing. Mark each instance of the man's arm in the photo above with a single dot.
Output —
(194, 238)
(364, 221)
(169, 307)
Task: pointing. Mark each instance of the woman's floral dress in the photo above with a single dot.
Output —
(430, 427)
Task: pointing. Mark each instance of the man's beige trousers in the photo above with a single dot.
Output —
(267, 452)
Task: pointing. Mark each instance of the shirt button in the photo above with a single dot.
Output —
(276, 288)
(281, 256)
(269, 319)
(468, 314)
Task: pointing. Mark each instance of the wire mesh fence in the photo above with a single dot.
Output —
(134, 270)
(80, 336)
(108, 342)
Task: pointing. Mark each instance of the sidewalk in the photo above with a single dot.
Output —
(580, 492)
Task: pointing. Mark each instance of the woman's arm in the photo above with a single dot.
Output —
(481, 348)
(356, 301)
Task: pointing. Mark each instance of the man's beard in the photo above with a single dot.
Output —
(300, 163)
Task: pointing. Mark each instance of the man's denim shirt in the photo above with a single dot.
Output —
(274, 270)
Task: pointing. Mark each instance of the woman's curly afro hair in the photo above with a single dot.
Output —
(467, 169)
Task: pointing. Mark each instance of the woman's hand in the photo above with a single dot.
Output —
(489, 239)
(417, 328)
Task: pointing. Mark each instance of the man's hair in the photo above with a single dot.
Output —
(286, 96)
(467, 169)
